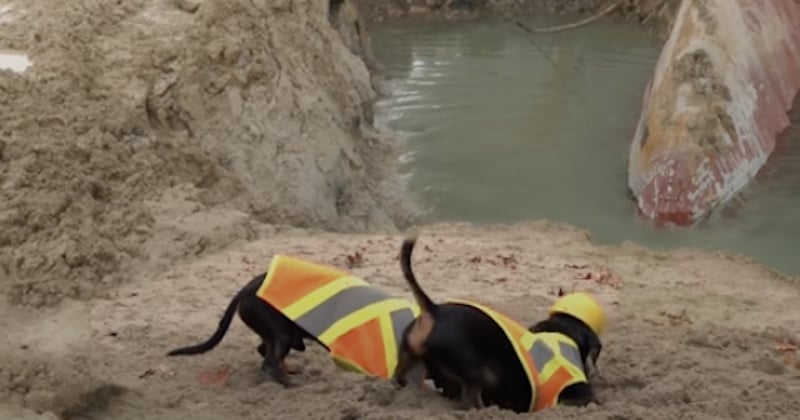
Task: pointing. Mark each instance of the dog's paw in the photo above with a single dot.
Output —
(279, 376)
(286, 382)
(291, 369)
(399, 382)
(471, 397)
(289, 384)
(468, 405)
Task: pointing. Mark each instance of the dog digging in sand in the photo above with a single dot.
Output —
(295, 300)
(482, 357)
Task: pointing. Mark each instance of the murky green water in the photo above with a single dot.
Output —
(497, 131)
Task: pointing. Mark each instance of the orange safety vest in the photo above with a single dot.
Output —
(551, 361)
(360, 324)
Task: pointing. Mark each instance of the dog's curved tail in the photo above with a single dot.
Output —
(215, 339)
(427, 304)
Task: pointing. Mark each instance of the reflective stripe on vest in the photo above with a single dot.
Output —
(558, 365)
(360, 324)
(551, 360)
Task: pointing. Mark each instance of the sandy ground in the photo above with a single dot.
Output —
(691, 335)
(134, 201)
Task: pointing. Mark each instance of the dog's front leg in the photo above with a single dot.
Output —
(578, 395)
(591, 364)
(272, 366)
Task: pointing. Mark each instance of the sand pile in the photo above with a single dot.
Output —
(152, 130)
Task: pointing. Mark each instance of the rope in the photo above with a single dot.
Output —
(611, 7)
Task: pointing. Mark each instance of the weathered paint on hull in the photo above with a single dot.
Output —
(723, 84)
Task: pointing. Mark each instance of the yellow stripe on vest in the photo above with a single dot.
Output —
(360, 317)
(554, 341)
(527, 340)
(549, 369)
(390, 347)
(324, 293)
(270, 273)
(349, 365)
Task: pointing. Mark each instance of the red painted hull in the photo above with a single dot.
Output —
(719, 97)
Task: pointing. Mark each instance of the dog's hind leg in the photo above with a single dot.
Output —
(468, 391)
(406, 364)
(290, 369)
(471, 396)
(273, 364)
(275, 333)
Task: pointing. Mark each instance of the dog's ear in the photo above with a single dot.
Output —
(537, 327)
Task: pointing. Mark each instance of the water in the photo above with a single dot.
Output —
(497, 133)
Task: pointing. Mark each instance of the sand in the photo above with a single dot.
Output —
(691, 335)
(157, 153)
(152, 130)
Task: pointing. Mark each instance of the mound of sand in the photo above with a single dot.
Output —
(152, 130)
(691, 335)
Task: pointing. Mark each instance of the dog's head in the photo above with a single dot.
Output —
(589, 344)
(579, 316)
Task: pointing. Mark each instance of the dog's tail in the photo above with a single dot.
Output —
(422, 299)
(215, 339)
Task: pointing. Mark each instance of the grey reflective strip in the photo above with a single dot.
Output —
(541, 354)
(571, 354)
(319, 319)
(401, 318)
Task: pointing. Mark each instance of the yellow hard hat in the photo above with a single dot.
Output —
(583, 306)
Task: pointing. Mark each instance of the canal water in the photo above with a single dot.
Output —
(502, 126)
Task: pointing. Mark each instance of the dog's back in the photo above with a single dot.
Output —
(531, 369)
(495, 356)
(469, 351)
(488, 358)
